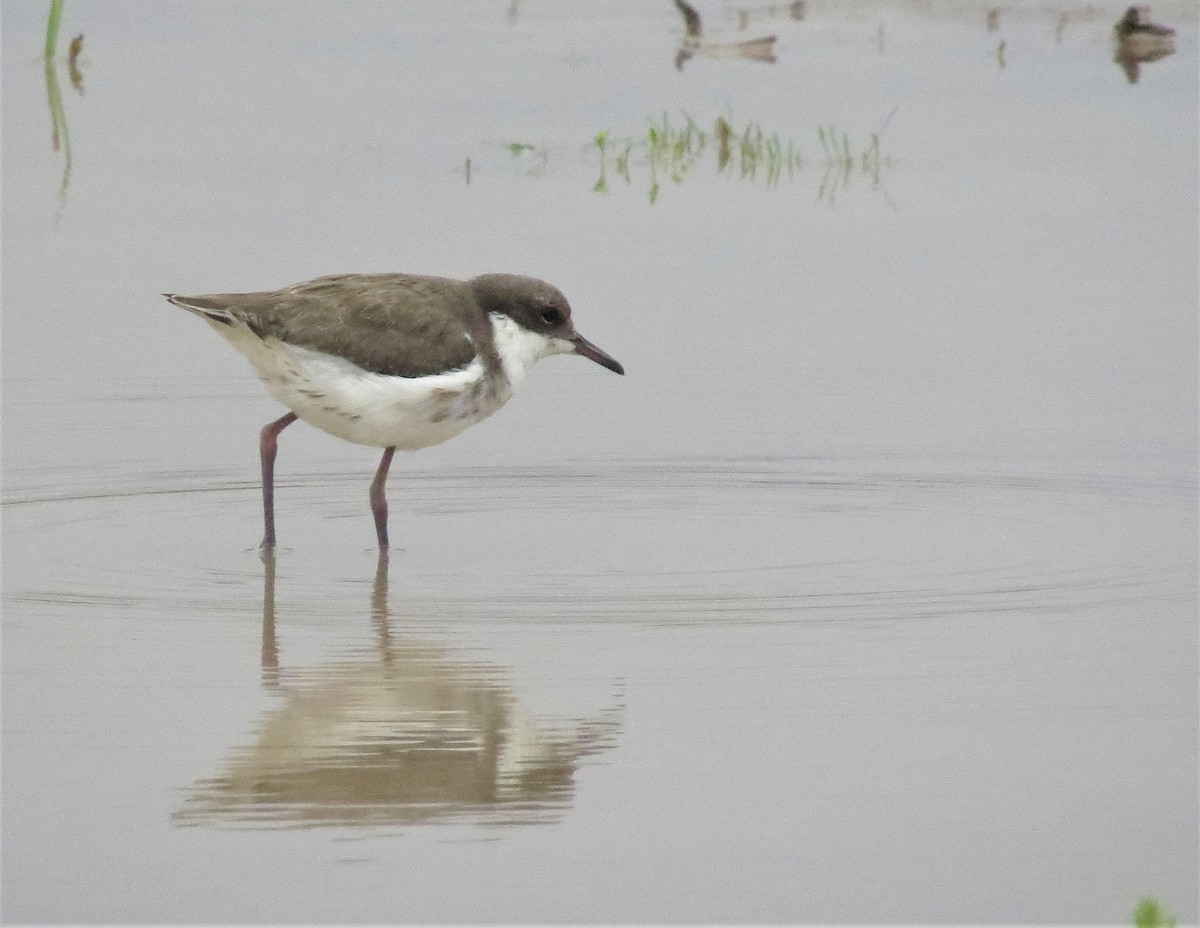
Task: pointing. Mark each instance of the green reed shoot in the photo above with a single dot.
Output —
(60, 137)
(534, 157)
(53, 22)
(1149, 914)
(601, 142)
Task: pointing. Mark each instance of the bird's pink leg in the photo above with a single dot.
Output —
(267, 446)
(379, 500)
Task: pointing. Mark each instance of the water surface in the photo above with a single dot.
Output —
(869, 595)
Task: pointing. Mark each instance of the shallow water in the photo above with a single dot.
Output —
(868, 595)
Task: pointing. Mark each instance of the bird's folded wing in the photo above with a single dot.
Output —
(394, 324)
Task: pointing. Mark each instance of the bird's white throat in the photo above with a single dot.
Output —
(520, 349)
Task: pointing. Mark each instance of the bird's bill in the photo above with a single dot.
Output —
(588, 350)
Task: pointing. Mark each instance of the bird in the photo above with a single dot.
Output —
(1139, 41)
(692, 24)
(762, 49)
(392, 361)
(1132, 25)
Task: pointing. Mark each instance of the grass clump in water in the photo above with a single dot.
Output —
(670, 151)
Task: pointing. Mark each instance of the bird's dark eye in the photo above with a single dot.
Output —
(552, 316)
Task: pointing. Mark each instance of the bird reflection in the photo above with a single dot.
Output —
(1139, 42)
(762, 49)
(402, 732)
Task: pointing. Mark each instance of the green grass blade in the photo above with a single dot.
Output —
(52, 26)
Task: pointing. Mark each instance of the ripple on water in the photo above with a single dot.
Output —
(692, 541)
